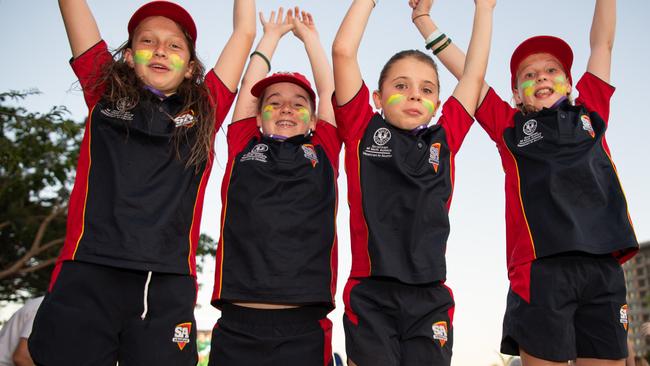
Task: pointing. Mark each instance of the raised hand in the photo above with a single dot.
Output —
(277, 26)
(303, 25)
(420, 7)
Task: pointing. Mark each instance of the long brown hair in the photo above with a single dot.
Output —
(120, 82)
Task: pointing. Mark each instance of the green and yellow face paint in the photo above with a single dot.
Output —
(267, 112)
(560, 85)
(429, 105)
(395, 98)
(304, 115)
(528, 87)
(177, 62)
(143, 57)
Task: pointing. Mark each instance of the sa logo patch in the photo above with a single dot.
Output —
(310, 154)
(434, 156)
(440, 332)
(182, 335)
(623, 314)
(185, 119)
(586, 125)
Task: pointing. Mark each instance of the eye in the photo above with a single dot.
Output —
(400, 86)
(529, 75)
(176, 46)
(552, 70)
(427, 90)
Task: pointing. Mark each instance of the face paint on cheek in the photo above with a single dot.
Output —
(143, 57)
(429, 105)
(304, 115)
(267, 112)
(177, 62)
(560, 86)
(528, 87)
(394, 99)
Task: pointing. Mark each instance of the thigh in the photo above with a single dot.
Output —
(371, 327)
(167, 335)
(78, 321)
(543, 326)
(427, 321)
(601, 321)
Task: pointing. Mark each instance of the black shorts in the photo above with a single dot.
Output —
(92, 316)
(390, 323)
(255, 337)
(577, 309)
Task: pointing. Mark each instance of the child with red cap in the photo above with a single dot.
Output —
(567, 222)
(276, 258)
(124, 286)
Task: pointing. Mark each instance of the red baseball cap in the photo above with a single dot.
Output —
(283, 77)
(541, 44)
(165, 9)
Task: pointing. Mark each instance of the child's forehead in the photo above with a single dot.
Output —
(539, 59)
(413, 70)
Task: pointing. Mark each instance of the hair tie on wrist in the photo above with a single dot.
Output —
(263, 56)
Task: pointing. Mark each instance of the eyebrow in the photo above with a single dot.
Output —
(278, 95)
(405, 78)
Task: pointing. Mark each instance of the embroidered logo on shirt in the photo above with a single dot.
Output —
(434, 156)
(378, 150)
(381, 136)
(440, 332)
(257, 153)
(122, 110)
(623, 313)
(586, 125)
(310, 154)
(529, 129)
(185, 119)
(182, 335)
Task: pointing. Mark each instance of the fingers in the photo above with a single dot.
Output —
(310, 19)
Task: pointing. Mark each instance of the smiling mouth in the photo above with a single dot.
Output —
(285, 123)
(544, 92)
(158, 67)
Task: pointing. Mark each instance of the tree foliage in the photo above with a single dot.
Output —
(39, 152)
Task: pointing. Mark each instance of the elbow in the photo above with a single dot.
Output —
(342, 50)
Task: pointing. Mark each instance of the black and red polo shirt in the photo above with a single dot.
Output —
(400, 186)
(278, 221)
(562, 189)
(134, 203)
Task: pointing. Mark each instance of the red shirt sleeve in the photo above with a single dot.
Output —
(456, 122)
(88, 68)
(353, 117)
(494, 115)
(221, 96)
(240, 133)
(326, 135)
(594, 94)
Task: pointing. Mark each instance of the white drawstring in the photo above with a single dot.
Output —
(146, 293)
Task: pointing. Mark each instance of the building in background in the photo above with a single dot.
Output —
(637, 279)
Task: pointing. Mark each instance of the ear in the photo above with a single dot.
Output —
(258, 119)
(128, 57)
(190, 69)
(312, 122)
(376, 98)
(516, 96)
(569, 89)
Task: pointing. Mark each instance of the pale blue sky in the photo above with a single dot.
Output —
(37, 54)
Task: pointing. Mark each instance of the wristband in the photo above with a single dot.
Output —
(266, 59)
(444, 45)
(435, 41)
(419, 15)
(435, 34)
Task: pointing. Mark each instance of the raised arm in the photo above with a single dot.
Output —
(274, 29)
(601, 39)
(305, 29)
(230, 64)
(468, 90)
(347, 74)
(80, 25)
(452, 57)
